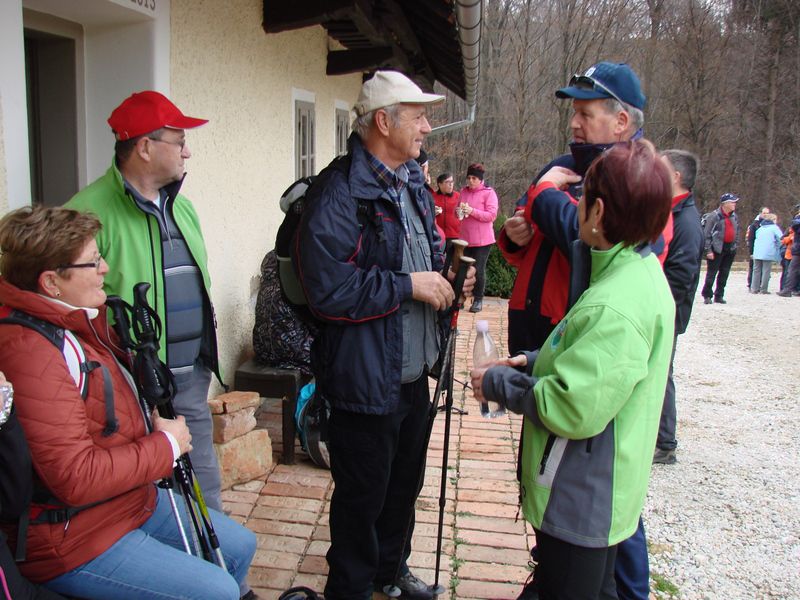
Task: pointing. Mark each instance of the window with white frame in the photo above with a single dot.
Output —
(342, 130)
(304, 138)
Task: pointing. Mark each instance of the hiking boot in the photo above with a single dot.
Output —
(531, 589)
(413, 588)
(706, 300)
(664, 457)
(720, 301)
(477, 305)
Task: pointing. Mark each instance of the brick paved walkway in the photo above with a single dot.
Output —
(485, 548)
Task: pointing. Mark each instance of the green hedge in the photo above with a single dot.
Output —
(499, 274)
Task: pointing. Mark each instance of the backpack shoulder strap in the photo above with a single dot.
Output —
(62, 339)
(74, 356)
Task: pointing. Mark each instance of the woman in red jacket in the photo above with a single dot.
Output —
(446, 201)
(125, 542)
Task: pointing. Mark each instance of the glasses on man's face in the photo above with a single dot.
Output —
(180, 143)
(95, 263)
(586, 82)
(447, 182)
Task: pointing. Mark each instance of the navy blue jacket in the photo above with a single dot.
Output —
(795, 226)
(352, 280)
(684, 256)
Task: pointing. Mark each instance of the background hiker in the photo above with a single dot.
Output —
(479, 207)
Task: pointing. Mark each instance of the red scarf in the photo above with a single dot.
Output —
(730, 234)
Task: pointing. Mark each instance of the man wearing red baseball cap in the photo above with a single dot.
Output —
(152, 233)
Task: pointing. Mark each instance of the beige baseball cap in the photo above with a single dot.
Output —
(390, 87)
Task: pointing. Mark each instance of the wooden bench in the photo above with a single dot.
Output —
(272, 382)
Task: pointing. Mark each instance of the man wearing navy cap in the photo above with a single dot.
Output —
(607, 105)
(720, 232)
(152, 233)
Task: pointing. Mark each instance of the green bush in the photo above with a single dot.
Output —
(499, 274)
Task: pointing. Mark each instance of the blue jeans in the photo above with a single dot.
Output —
(150, 562)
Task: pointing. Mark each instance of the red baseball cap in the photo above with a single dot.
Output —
(147, 111)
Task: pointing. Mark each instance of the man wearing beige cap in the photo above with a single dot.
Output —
(152, 233)
(374, 284)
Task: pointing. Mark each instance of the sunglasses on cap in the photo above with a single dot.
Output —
(586, 82)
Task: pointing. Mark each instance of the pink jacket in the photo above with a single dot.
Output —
(476, 229)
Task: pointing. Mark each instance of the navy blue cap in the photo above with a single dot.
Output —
(606, 80)
(727, 197)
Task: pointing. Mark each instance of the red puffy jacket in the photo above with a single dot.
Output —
(70, 455)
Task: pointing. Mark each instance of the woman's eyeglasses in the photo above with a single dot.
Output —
(95, 263)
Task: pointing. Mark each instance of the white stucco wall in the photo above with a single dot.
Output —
(226, 69)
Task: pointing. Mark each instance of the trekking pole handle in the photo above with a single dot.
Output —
(458, 254)
(458, 285)
(146, 325)
(454, 253)
(122, 324)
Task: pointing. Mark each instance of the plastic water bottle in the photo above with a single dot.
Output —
(484, 353)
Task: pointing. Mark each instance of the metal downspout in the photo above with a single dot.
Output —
(468, 16)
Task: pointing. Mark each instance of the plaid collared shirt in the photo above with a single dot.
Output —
(393, 183)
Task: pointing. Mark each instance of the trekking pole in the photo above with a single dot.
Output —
(461, 266)
(457, 248)
(122, 325)
(465, 262)
(157, 385)
(161, 391)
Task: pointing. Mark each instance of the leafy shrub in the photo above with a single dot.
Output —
(499, 274)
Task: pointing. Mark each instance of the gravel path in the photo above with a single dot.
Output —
(724, 522)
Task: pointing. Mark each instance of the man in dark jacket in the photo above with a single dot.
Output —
(793, 274)
(684, 238)
(721, 232)
(608, 102)
(376, 291)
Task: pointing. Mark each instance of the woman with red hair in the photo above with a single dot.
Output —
(592, 395)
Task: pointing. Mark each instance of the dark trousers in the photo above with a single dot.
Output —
(718, 269)
(376, 461)
(793, 276)
(632, 568)
(569, 572)
(667, 425)
(481, 255)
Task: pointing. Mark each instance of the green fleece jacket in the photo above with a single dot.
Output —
(593, 403)
(130, 241)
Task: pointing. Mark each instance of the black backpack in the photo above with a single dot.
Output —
(292, 203)
(23, 499)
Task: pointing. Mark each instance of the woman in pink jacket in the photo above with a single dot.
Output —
(479, 207)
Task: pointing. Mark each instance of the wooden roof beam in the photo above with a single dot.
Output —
(341, 62)
(280, 15)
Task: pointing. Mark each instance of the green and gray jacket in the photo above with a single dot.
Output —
(140, 257)
(593, 403)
